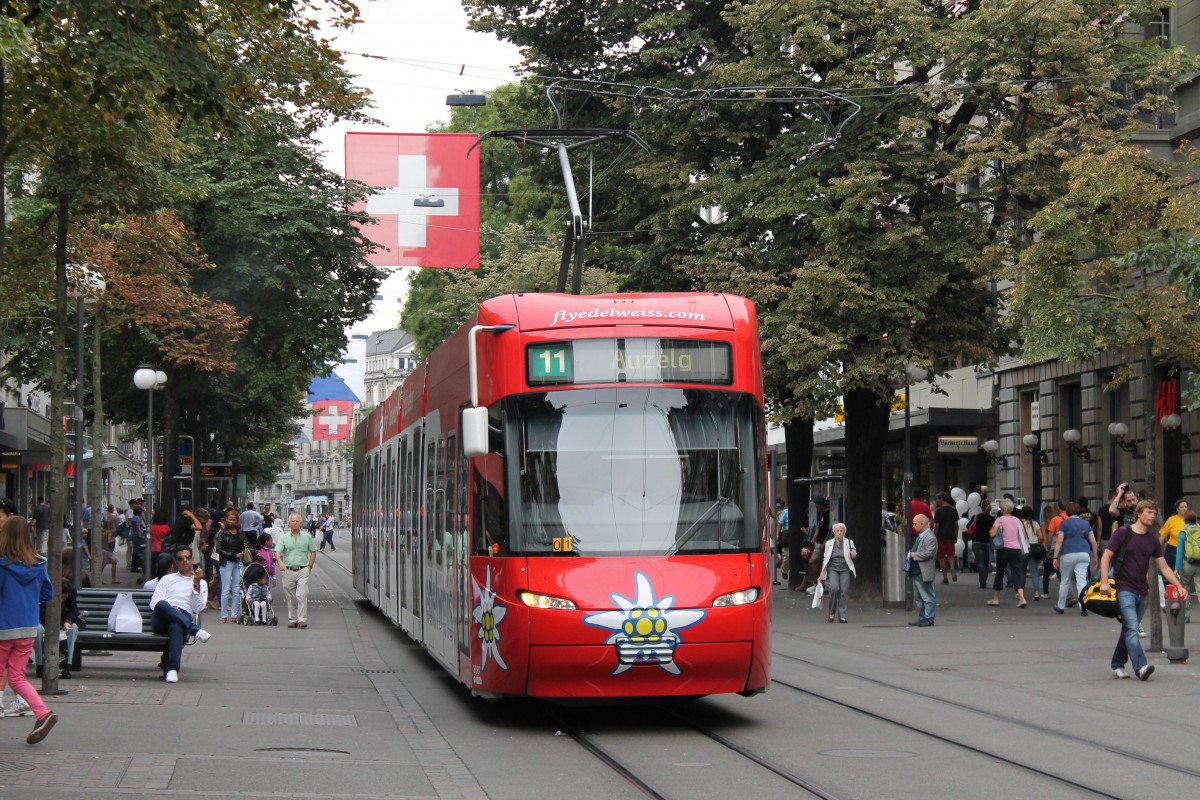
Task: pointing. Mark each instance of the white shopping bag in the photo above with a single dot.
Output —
(818, 595)
(124, 617)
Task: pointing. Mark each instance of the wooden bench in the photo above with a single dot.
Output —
(94, 608)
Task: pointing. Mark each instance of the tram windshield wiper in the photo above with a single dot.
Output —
(695, 526)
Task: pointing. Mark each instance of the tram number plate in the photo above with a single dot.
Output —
(561, 544)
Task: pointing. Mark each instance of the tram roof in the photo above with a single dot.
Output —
(553, 311)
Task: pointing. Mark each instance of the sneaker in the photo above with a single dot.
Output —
(41, 728)
(1037, 596)
(954, 575)
(18, 708)
(1058, 610)
(1120, 673)
(811, 589)
(203, 636)
(1141, 631)
(1145, 672)
(172, 676)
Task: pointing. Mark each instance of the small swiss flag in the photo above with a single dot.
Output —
(332, 420)
(427, 203)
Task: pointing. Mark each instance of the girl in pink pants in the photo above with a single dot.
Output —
(24, 585)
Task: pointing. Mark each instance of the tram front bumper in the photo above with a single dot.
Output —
(615, 670)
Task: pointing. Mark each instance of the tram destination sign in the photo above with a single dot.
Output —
(216, 470)
(643, 360)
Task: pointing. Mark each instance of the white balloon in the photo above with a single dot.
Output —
(962, 525)
(957, 493)
(974, 499)
(959, 547)
(961, 505)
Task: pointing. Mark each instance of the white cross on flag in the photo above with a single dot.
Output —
(332, 420)
(426, 199)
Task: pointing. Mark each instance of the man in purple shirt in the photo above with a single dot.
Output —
(1132, 586)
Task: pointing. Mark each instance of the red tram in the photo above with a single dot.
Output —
(568, 499)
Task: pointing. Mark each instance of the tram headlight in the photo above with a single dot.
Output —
(535, 600)
(739, 598)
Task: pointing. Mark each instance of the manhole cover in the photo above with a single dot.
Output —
(298, 718)
(15, 766)
(867, 753)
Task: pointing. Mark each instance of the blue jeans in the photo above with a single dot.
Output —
(175, 624)
(925, 599)
(1072, 564)
(231, 588)
(1132, 606)
(1033, 569)
(983, 560)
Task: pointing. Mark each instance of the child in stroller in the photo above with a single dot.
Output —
(256, 597)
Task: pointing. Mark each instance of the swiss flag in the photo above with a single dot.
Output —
(428, 199)
(333, 420)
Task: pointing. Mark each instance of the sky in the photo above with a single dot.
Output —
(430, 54)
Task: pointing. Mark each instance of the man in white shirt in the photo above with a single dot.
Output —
(178, 597)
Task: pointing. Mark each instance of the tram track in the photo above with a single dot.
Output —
(645, 787)
(1074, 738)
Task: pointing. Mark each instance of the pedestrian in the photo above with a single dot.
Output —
(924, 555)
(229, 549)
(137, 535)
(1187, 556)
(981, 546)
(250, 522)
(108, 542)
(1035, 548)
(1011, 534)
(327, 532)
(836, 570)
(295, 554)
(945, 526)
(917, 505)
(1168, 534)
(41, 524)
(1137, 548)
(179, 596)
(1074, 554)
(1118, 513)
(24, 586)
(159, 528)
(1051, 533)
(781, 539)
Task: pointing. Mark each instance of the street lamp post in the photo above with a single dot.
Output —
(87, 286)
(149, 380)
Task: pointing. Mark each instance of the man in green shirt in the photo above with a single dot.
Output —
(295, 554)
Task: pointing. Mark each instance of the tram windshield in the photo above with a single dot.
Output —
(634, 471)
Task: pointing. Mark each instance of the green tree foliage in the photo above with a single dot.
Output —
(870, 227)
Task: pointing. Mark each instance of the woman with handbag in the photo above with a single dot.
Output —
(1008, 535)
(1035, 548)
(836, 568)
(228, 550)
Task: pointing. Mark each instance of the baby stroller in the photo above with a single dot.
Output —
(250, 576)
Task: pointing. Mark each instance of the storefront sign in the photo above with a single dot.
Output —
(958, 444)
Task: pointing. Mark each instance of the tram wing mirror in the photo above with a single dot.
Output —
(475, 432)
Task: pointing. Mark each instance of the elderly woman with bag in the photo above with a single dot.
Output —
(1009, 535)
(836, 569)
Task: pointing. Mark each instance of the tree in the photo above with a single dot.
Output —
(852, 220)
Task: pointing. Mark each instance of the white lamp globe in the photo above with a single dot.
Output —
(145, 378)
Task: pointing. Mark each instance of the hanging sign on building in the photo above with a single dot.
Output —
(958, 444)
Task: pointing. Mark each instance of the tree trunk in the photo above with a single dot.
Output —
(58, 455)
(3, 168)
(95, 498)
(798, 441)
(866, 433)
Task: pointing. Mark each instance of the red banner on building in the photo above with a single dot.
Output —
(427, 198)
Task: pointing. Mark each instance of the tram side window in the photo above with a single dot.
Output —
(489, 512)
